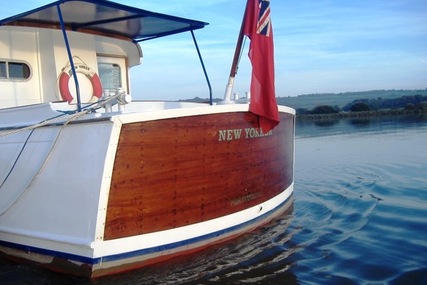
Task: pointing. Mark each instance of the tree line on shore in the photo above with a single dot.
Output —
(352, 104)
(415, 104)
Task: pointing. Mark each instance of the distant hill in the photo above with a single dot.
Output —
(407, 102)
(340, 100)
(310, 101)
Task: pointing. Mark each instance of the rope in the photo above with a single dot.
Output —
(66, 119)
(32, 128)
(46, 122)
(69, 117)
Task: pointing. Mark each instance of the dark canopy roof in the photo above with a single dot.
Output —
(106, 18)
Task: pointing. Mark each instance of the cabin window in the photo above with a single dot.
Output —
(110, 75)
(14, 70)
(2, 70)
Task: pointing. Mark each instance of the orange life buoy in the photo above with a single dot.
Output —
(65, 76)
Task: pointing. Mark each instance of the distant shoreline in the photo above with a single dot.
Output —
(361, 115)
(310, 101)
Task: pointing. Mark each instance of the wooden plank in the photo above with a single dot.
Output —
(175, 172)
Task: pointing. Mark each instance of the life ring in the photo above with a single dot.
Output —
(65, 76)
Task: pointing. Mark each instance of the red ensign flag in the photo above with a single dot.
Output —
(258, 28)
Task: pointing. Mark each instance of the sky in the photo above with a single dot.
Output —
(321, 46)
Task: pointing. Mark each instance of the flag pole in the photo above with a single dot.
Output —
(235, 64)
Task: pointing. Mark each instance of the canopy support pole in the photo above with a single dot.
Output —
(203, 66)
(70, 57)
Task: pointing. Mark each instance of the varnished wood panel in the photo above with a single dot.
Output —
(174, 172)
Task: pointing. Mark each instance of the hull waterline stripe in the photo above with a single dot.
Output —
(141, 252)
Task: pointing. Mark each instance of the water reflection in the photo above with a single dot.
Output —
(360, 122)
(326, 123)
(360, 195)
(308, 128)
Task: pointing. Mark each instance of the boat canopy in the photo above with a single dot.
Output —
(105, 18)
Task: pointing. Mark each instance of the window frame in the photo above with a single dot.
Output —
(122, 61)
(8, 78)
(112, 64)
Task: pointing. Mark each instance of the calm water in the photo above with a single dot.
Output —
(359, 217)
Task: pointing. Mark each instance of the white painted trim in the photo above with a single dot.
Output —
(129, 244)
(133, 117)
(106, 180)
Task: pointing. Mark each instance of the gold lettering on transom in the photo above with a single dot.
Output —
(236, 134)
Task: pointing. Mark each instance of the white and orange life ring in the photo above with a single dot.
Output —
(65, 76)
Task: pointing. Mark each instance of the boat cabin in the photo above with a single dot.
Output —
(39, 49)
(32, 60)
